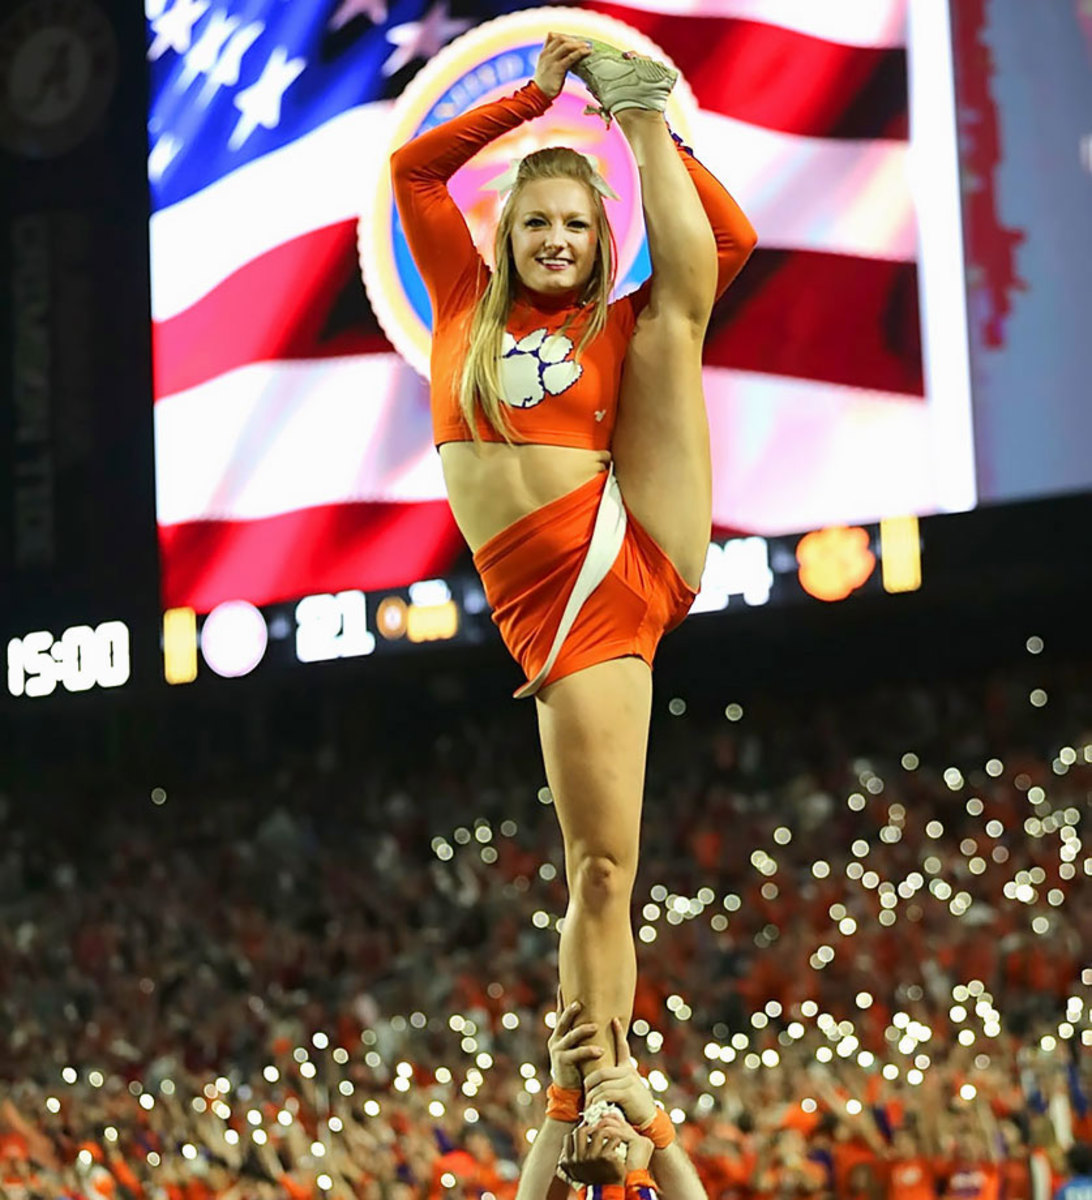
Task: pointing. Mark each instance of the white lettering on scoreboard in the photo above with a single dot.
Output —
(80, 659)
(330, 626)
(739, 567)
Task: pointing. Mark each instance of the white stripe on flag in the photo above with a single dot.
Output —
(841, 197)
(270, 438)
(880, 23)
(796, 454)
(317, 180)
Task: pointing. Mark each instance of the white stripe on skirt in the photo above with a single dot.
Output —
(608, 533)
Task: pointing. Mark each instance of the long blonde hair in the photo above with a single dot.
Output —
(479, 385)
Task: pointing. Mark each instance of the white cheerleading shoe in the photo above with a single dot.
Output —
(619, 81)
(594, 1113)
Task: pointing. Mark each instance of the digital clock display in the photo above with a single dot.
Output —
(80, 659)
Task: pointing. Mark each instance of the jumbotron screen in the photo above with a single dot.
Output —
(1024, 83)
(293, 441)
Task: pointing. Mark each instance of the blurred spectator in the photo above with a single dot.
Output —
(1079, 1184)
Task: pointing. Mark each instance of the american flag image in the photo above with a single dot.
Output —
(293, 444)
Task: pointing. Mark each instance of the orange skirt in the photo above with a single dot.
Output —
(538, 567)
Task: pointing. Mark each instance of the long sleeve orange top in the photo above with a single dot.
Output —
(552, 399)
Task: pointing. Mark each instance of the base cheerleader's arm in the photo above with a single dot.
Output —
(672, 1169)
(569, 1045)
(673, 1175)
(735, 235)
(538, 1178)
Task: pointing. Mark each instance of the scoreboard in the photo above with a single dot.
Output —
(238, 639)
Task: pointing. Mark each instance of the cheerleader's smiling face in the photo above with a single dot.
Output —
(554, 236)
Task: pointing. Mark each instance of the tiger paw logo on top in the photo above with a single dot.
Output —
(490, 61)
(536, 365)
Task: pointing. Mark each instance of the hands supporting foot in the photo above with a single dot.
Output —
(559, 55)
(618, 80)
(604, 1153)
(607, 1146)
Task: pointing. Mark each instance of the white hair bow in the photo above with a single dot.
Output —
(506, 180)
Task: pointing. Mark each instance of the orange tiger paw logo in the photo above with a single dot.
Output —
(834, 562)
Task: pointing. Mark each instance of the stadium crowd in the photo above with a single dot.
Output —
(863, 928)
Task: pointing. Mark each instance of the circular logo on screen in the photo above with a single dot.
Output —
(58, 64)
(491, 61)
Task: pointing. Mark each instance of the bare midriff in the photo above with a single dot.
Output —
(491, 485)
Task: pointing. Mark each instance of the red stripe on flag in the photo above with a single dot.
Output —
(324, 549)
(780, 79)
(838, 318)
(278, 306)
(844, 320)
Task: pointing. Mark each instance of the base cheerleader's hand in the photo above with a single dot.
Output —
(621, 1085)
(566, 1046)
(559, 54)
(639, 1149)
(590, 1156)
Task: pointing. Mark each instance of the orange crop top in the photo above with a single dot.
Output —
(552, 399)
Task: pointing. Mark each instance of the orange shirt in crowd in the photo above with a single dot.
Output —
(294, 1190)
(973, 1181)
(123, 1173)
(726, 1176)
(475, 1177)
(780, 1182)
(1016, 1178)
(797, 1117)
(851, 1160)
(12, 1145)
(911, 1179)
